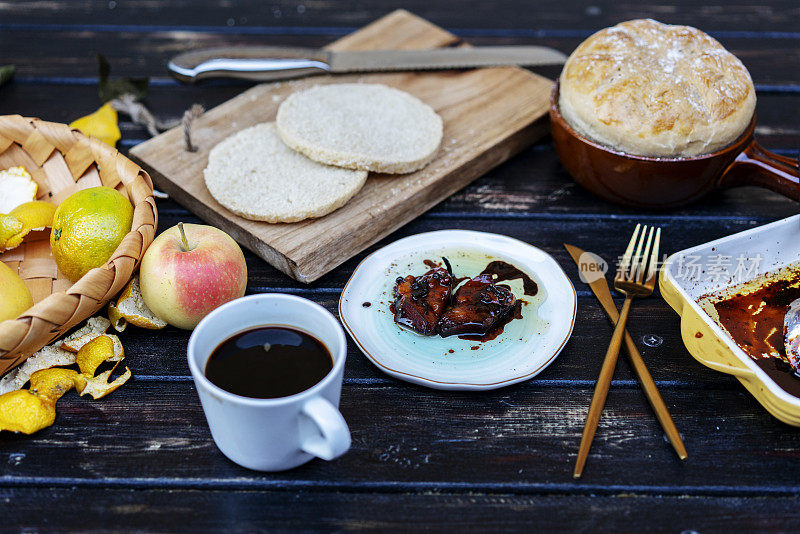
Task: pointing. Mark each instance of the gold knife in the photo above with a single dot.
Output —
(273, 63)
(600, 289)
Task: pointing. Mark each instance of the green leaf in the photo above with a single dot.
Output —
(109, 89)
(6, 73)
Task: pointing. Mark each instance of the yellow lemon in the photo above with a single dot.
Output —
(101, 124)
(87, 228)
(15, 297)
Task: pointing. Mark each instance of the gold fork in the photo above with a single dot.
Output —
(636, 277)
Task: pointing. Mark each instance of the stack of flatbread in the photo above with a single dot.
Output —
(318, 152)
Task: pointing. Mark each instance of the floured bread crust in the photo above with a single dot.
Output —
(363, 126)
(652, 89)
(255, 175)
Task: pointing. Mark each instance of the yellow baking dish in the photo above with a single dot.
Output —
(769, 247)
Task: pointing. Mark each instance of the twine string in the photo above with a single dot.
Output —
(140, 115)
(189, 116)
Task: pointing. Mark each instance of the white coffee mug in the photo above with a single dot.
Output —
(272, 434)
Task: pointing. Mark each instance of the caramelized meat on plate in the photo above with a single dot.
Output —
(421, 300)
(478, 306)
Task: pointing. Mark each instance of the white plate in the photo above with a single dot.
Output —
(525, 347)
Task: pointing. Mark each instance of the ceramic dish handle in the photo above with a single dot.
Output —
(758, 166)
(708, 349)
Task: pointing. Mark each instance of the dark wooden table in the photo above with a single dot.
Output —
(143, 458)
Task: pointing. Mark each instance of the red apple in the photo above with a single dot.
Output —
(188, 271)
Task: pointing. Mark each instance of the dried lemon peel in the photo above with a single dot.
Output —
(130, 308)
(52, 383)
(31, 410)
(35, 215)
(76, 344)
(10, 228)
(55, 355)
(89, 358)
(47, 357)
(93, 353)
(61, 353)
(17, 186)
(97, 325)
(101, 124)
(22, 220)
(99, 386)
(26, 412)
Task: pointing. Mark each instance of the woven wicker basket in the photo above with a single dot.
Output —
(61, 161)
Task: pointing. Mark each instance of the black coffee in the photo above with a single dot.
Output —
(268, 362)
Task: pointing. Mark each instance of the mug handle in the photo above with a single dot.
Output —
(327, 435)
(758, 166)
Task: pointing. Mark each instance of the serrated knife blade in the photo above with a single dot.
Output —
(271, 63)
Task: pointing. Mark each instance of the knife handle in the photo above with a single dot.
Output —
(251, 63)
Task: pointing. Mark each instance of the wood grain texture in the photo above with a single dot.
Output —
(238, 17)
(489, 115)
(70, 52)
(279, 511)
(142, 459)
(519, 439)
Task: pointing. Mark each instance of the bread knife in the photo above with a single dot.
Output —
(272, 63)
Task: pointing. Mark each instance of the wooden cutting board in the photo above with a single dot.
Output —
(489, 115)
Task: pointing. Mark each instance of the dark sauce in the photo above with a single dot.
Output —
(269, 362)
(515, 313)
(505, 271)
(760, 332)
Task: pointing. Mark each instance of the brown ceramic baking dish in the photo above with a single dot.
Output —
(668, 182)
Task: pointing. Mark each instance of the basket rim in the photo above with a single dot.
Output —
(100, 284)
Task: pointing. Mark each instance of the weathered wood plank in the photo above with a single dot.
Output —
(670, 363)
(742, 15)
(71, 53)
(275, 511)
(779, 114)
(162, 355)
(518, 439)
(531, 183)
(443, 448)
(607, 236)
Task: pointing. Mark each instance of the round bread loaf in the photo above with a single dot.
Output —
(255, 175)
(363, 126)
(651, 89)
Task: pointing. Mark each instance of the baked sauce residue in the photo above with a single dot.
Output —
(755, 321)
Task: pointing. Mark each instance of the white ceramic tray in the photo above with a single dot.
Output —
(766, 249)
